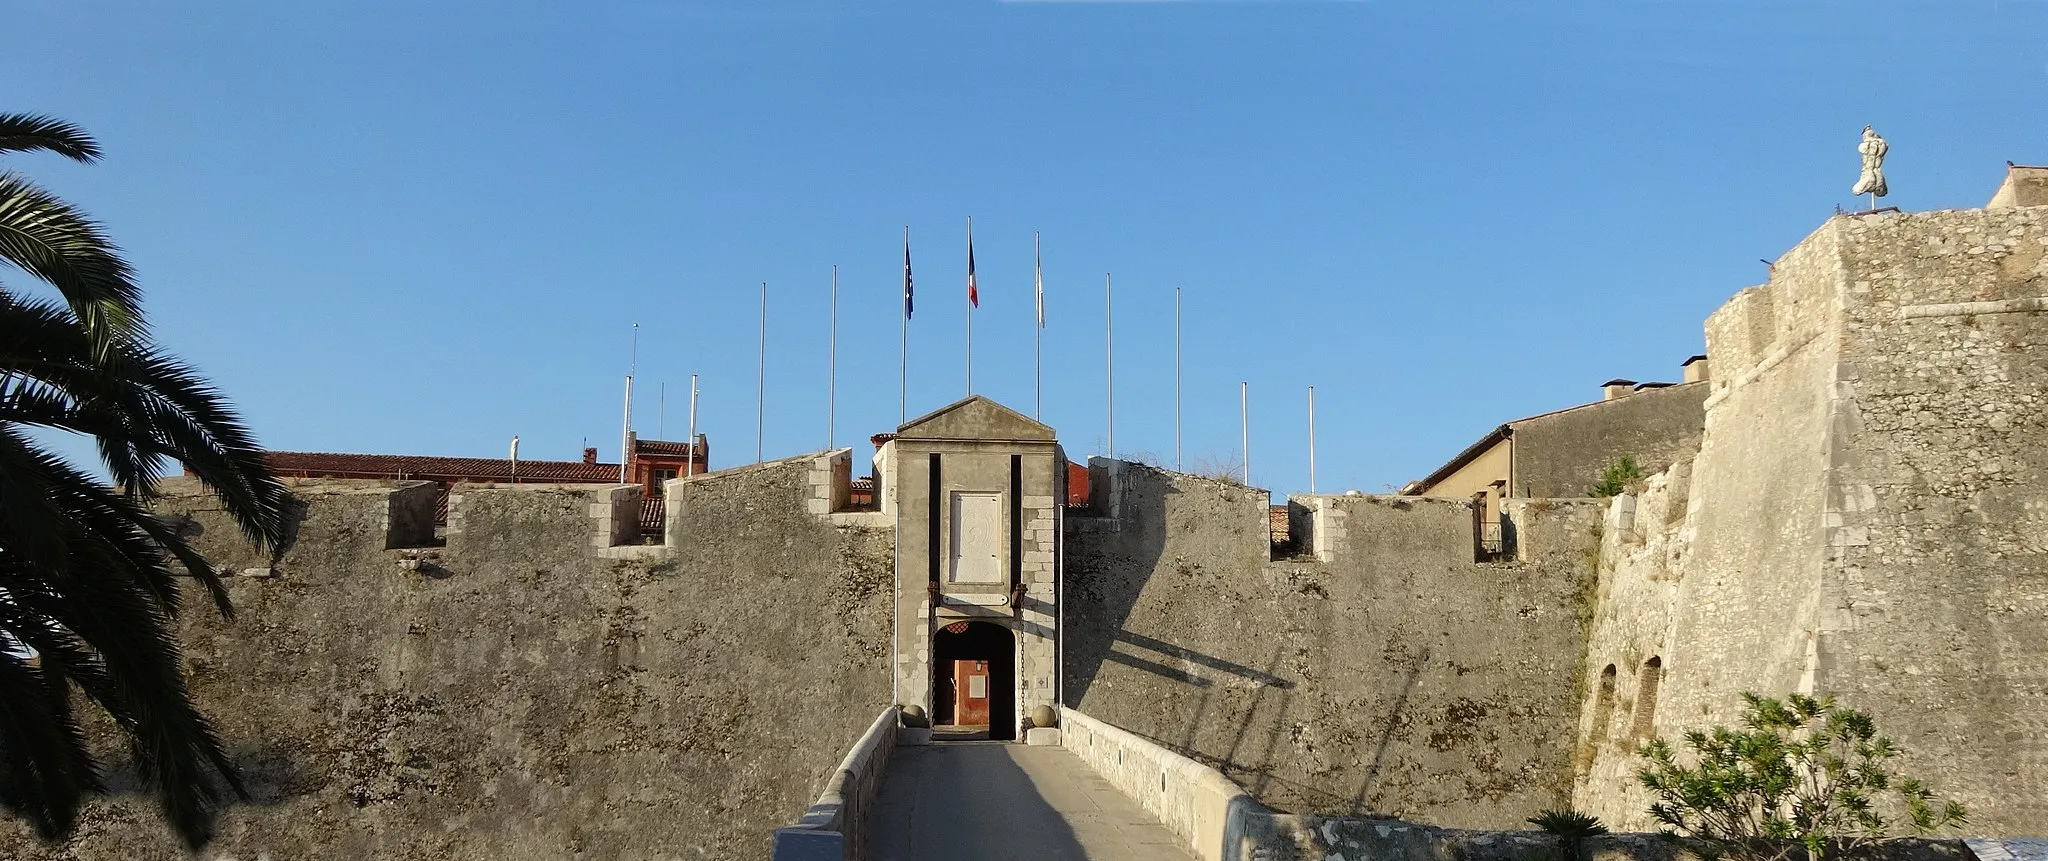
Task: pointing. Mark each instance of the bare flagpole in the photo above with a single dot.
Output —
(661, 412)
(1311, 439)
(903, 370)
(761, 376)
(832, 383)
(970, 305)
(626, 430)
(1109, 361)
(1176, 379)
(691, 469)
(1244, 418)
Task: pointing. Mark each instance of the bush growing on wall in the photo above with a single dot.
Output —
(1805, 775)
(1621, 476)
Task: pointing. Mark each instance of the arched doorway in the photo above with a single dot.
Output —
(974, 679)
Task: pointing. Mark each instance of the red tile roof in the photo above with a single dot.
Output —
(666, 447)
(320, 464)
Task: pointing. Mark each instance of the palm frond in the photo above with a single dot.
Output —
(52, 240)
(88, 589)
(115, 595)
(144, 408)
(36, 132)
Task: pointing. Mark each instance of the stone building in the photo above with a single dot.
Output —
(971, 489)
(1562, 453)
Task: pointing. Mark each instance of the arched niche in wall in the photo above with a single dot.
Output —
(1647, 681)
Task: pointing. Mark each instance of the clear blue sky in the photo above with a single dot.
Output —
(384, 228)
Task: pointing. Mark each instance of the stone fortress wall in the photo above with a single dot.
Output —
(528, 690)
(1381, 670)
(1865, 517)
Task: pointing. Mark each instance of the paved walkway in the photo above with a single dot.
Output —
(2032, 849)
(993, 800)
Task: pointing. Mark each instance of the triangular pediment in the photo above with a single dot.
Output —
(976, 417)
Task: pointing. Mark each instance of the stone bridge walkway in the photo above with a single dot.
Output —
(956, 800)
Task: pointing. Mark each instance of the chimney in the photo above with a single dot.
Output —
(1616, 388)
(589, 454)
(1695, 369)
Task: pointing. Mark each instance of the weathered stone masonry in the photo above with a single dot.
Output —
(515, 694)
(1385, 672)
(1865, 518)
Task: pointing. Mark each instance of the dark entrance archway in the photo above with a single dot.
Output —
(961, 650)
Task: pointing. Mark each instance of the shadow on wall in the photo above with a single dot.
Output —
(1209, 587)
(271, 777)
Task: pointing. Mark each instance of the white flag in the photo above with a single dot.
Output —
(1039, 265)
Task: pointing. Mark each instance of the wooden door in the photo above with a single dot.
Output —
(970, 684)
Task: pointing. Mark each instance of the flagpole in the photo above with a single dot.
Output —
(626, 429)
(1244, 418)
(904, 367)
(832, 382)
(1311, 439)
(1109, 362)
(970, 305)
(1176, 379)
(661, 412)
(761, 376)
(1038, 334)
(691, 469)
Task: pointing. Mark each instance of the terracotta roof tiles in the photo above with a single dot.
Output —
(314, 464)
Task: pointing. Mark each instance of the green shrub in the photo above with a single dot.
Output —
(1568, 823)
(1805, 774)
(1621, 476)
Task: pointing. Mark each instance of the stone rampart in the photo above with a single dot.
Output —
(1385, 671)
(526, 690)
(1864, 518)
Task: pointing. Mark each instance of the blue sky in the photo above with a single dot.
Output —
(426, 227)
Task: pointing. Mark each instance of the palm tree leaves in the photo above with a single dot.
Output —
(88, 576)
(52, 240)
(32, 132)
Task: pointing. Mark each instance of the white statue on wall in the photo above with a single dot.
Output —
(1871, 182)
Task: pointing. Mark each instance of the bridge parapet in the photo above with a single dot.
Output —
(835, 828)
(1194, 801)
(1222, 822)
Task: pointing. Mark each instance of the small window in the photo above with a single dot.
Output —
(659, 477)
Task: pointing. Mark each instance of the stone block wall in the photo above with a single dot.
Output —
(1936, 525)
(1864, 518)
(516, 694)
(1388, 672)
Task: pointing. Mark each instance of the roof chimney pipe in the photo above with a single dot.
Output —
(1616, 388)
(589, 454)
(1696, 369)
